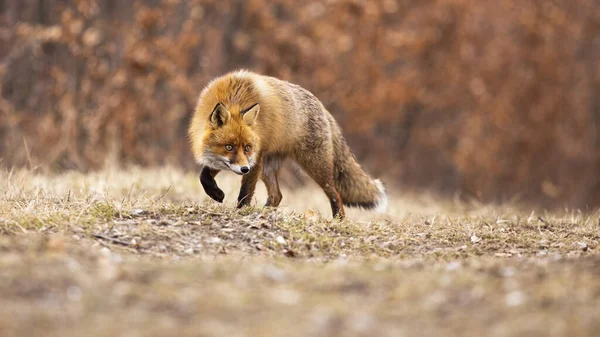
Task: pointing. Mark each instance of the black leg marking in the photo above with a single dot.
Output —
(207, 179)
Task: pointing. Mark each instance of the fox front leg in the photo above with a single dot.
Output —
(249, 184)
(207, 179)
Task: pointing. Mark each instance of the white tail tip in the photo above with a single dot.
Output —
(382, 204)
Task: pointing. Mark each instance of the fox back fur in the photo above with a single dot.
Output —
(248, 123)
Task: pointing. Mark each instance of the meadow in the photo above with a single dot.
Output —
(143, 252)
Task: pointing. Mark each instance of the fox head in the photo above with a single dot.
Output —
(230, 140)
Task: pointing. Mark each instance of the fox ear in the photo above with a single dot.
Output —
(251, 114)
(219, 116)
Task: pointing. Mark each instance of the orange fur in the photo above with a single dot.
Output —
(278, 120)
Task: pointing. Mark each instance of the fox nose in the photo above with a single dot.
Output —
(245, 169)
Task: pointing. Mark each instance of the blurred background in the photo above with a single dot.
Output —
(492, 100)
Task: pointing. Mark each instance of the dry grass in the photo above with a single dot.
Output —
(143, 253)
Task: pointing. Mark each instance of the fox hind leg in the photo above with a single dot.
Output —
(270, 170)
(322, 174)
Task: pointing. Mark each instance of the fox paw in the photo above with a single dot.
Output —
(216, 194)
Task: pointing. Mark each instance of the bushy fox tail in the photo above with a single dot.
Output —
(356, 187)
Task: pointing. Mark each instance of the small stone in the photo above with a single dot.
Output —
(105, 251)
(214, 240)
(139, 211)
(280, 240)
(475, 238)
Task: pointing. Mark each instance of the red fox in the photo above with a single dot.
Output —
(249, 123)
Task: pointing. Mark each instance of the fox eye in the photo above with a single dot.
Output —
(229, 147)
(247, 148)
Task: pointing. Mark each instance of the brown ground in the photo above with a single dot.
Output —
(143, 253)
